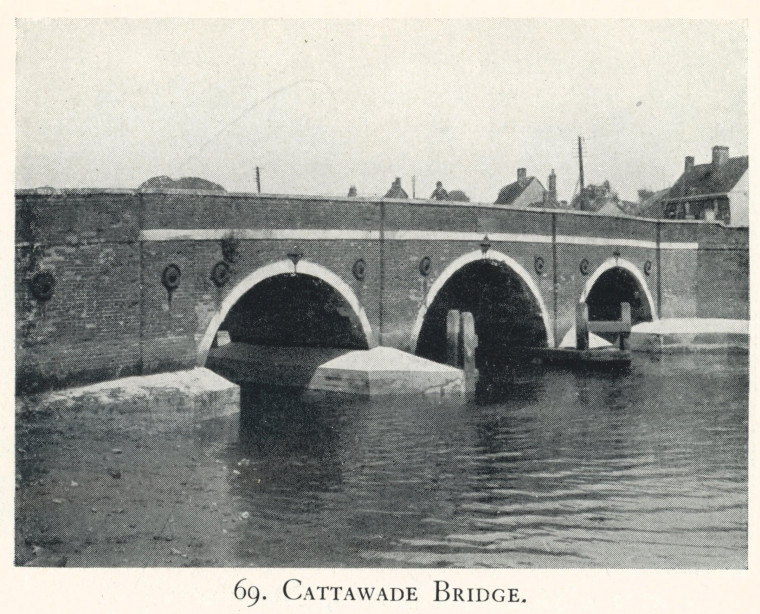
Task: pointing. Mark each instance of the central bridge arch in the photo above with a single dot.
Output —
(497, 289)
(305, 274)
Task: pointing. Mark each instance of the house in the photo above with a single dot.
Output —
(612, 207)
(718, 190)
(598, 198)
(528, 192)
(396, 190)
(651, 206)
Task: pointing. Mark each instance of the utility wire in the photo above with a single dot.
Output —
(247, 110)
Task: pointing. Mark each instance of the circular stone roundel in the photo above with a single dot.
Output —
(539, 265)
(171, 276)
(584, 267)
(42, 286)
(425, 266)
(360, 269)
(648, 267)
(220, 274)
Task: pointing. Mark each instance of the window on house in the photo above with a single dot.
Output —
(724, 211)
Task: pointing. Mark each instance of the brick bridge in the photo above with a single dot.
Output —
(118, 282)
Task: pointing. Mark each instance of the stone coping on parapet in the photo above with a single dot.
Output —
(63, 192)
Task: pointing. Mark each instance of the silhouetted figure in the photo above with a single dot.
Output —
(439, 193)
(396, 190)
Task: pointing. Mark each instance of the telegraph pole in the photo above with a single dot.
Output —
(258, 179)
(580, 164)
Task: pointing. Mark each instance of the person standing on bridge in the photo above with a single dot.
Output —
(439, 193)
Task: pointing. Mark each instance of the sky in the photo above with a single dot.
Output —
(321, 105)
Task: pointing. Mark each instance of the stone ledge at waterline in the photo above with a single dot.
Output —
(691, 335)
(386, 371)
(177, 398)
(379, 371)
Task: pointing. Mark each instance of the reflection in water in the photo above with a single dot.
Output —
(542, 468)
(513, 382)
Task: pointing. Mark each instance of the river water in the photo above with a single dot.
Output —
(548, 468)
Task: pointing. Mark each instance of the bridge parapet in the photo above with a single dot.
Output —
(106, 250)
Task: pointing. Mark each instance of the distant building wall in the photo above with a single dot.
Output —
(739, 199)
(532, 195)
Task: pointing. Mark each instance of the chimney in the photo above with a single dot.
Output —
(720, 155)
(552, 187)
(521, 176)
(688, 163)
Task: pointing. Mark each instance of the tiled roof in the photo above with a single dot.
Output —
(652, 206)
(709, 179)
(396, 190)
(611, 208)
(510, 193)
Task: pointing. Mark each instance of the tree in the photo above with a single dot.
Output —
(458, 195)
(644, 194)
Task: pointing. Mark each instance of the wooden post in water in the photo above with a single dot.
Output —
(468, 343)
(625, 319)
(453, 324)
(581, 326)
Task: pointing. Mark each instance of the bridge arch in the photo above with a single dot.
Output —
(624, 274)
(457, 266)
(283, 267)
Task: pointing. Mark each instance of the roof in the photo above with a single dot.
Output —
(709, 179)
(611, 208)
(652, 206)
(510, 193)
(396, 190)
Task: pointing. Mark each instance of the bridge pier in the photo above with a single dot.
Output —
(453, 329)
(468, 342)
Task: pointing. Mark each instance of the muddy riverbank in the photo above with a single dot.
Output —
(92, 492)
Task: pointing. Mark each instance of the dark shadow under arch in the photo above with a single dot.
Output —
(507, 316)
(294, 310)
(614, 286)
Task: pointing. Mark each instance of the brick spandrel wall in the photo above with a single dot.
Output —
(109, 315)
(89, 329)
(723, 268)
